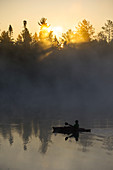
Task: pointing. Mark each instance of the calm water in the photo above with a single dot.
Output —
(28, 143)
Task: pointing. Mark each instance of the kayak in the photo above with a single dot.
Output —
(69, 130)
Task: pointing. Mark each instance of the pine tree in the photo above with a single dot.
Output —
(85, 31)
(108, 30)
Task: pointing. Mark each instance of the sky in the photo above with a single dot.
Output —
(63, 13)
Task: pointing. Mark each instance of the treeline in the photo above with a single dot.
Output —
(28, 47)
(84, 32)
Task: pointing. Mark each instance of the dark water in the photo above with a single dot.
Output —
(27, 142)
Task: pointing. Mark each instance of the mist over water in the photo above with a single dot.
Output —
(72, 81)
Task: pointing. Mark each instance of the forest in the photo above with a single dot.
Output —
(33, 46)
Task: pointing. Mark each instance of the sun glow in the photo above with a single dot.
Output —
(57, 31)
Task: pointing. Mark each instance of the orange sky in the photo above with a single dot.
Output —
(64, 13)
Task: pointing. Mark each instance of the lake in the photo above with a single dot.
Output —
(45, 87)
(27, 142)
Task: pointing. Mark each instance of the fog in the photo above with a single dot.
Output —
(73, 81)
(39, 90)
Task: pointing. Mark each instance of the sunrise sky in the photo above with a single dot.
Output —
(59, 13)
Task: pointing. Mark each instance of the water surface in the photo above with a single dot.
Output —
(28, 143)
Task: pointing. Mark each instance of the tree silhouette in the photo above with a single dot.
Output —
(26, 36)
(55, 42)
(4, 38)
(43, 21)
(19, 40)
(35, 44)
(101, 36)
(108, 30)
(25, 23)
(68, 37)
(10, 30)
(85, 31)
(45, 34)
(35, 37)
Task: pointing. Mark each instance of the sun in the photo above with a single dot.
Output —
(57, 31)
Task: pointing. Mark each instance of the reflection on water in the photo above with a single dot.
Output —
(28, 143)
(74, 135)
(26, 131)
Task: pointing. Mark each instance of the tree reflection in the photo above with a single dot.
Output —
(29, 127)
(44, 135)
(26, 128)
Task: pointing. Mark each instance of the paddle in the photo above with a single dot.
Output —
(68, 124)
